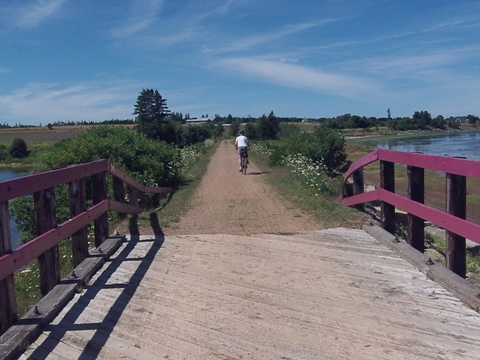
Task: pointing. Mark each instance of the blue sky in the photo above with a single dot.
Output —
(66, 60)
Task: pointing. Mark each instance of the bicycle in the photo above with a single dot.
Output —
(244, 162)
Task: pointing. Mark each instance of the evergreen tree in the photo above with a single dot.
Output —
(151, 110)
(269, 126)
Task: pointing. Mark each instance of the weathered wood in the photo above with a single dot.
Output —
(119, 195)
(416, 192)
(387, 182)
(45, 220)
(456, 205)
(99, 193)
(77, 200)
(8, 302)
(27, 329)
(133, 195)
(457, 285)
(307, 296)
(358, 186)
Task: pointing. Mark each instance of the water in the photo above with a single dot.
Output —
(458, 144)
(7, 174)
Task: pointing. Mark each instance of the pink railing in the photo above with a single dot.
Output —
(452, 219)
(128, 197)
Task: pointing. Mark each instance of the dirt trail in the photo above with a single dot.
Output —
(228, 202)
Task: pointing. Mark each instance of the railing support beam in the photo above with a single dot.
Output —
(8, 302)
(358, 187)
(457, 206)
(77, 202)
(45, 220)
(387, 182)
(99, 193)
(416, 192)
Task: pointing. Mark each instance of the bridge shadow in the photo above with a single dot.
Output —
(102, 331)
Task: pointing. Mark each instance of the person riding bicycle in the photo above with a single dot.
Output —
(242, 145)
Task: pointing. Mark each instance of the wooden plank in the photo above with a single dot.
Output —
(331, 294)
(461, 288)
(17, 338)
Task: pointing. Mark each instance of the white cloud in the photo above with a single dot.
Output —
(249, 42)
(37, 12)
(44, 102)
(296, 76)
(142, 15)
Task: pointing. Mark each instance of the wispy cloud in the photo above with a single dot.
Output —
(296, 76)
(37, 12)
(141, 16)
(252, 41)
(44, 102)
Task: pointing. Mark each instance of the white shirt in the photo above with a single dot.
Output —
(241, 141)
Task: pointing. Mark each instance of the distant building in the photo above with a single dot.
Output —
(201, 120)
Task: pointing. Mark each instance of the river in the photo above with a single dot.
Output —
(8, 174)
(457, 144)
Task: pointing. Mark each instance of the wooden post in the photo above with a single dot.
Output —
(133, 196)
(416, 192)
(119, 195)
(99, 193)
(77, 201)
(358, 186)
(8, 301)
(457, 206)
(387, 182)
(45, 220)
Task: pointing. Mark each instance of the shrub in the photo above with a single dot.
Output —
(152, 163)
(324, 146)
(19, 149)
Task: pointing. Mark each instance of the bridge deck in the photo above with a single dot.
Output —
(331, 294)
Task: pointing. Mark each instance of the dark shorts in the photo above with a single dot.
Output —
(242, 149)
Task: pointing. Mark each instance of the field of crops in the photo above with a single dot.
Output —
(42, 135)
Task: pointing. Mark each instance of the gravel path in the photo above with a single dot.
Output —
(228, 202)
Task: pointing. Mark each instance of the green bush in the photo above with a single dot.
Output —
(152, 163)
(19, 149)
(324, 146)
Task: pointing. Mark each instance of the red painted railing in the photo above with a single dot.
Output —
(128, 198)
(452, 219)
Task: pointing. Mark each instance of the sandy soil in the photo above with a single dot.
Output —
(229, 202)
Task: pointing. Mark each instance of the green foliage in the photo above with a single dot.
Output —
(3, 152)
(151, 110)
(234, 127)
(251, 131)
(268, 127)
(152, 163)
(323, 146)
(288, 130)
(193, 134)
(19, 149)
(149, 162)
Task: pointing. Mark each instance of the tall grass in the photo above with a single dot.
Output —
(306, 185)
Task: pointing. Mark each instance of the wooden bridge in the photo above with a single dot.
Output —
(329, 294)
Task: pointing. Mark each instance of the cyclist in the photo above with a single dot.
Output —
(242, 145)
